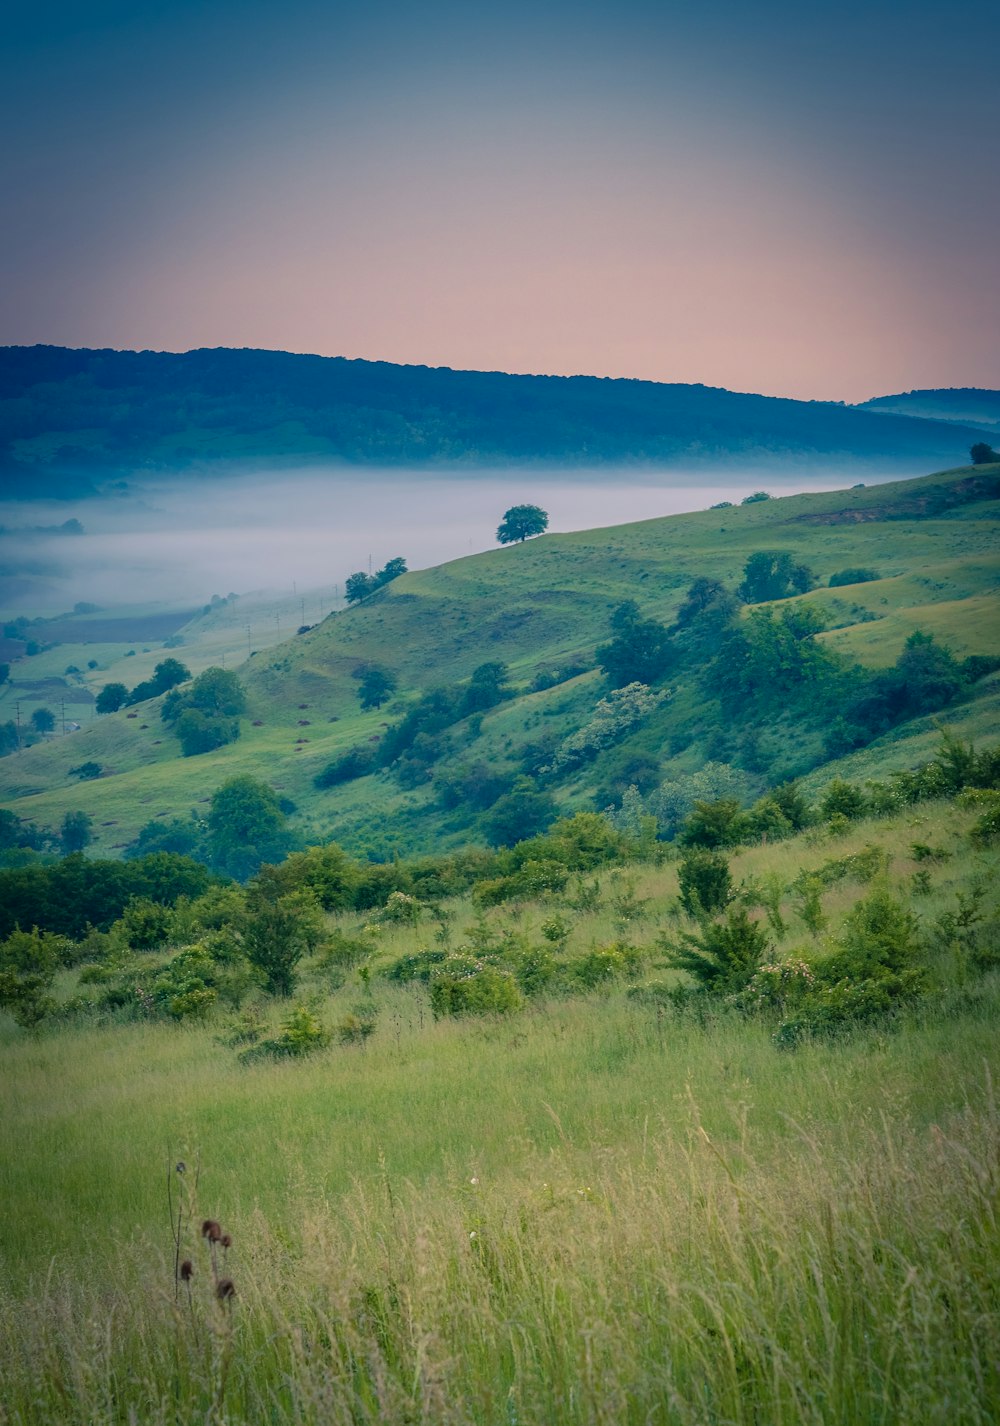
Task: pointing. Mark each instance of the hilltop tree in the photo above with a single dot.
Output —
(982, 454)
(519, 522)
(111, 697)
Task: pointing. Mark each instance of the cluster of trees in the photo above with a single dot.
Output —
(205, 715)
(412, 746)
(358, 586)
(166, 675)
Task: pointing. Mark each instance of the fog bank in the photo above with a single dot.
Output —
(181, 541)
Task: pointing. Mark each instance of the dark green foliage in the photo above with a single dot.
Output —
(723, 955)
(356, 762)
(770, 661)
(705, 883)
(521, 521)
(43, 720)
(8, 738)
(756, 497)
(146, 924)
(28, 964)
(206, 715)
(853, 576)
(16, 833)
(245, 827)
(713, 825)
(86, 772)
(174, 834)
(166, 675)
(419, 966)
(75, 832)
(842, 799)
(488, 686)
(639, 652)
(773, 574)
(358, 586)
(75, 893)
(521, 813)
(982, 454)
(111, 697)
(302, 1033)
(275, 932)
(375, 685)
(475, 786)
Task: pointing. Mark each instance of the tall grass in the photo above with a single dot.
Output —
(583, 1216)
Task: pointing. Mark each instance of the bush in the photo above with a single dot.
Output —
(356, 762)
(302, 1033)
(853, 576)
(842, 799)
(464, 986)
(724, 955)
(705, 883)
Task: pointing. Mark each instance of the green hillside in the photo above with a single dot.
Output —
(542, 608)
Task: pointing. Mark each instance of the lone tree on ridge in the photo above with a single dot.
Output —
(520, 521)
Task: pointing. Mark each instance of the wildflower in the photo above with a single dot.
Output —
(474, 1180)
(473, 1234)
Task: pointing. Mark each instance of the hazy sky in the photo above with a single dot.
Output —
(796, 199)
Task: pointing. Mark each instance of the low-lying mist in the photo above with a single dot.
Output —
(180, 541)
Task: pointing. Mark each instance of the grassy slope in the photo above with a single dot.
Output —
(537, 606)
(590, 1213)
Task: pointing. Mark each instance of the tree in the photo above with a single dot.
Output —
(640, 652)
(111, 697)
(43, 720)
(487, 687)
(205, 715)
(358, 586)
(519, 522)
(276, 932)
(982, 454)
(166, 675)
(246, 827)
(772, 574)
(391, 570)
(521, 813)
(74, 833)
(377, 685)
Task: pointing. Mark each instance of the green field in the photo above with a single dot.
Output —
(604, 1208)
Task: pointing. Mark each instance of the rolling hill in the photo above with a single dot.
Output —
(542, 608)
(70, 420)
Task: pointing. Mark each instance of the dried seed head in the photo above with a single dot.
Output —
(226, 1240)
(225, 1288)
(211, 1230)
(187, 1270)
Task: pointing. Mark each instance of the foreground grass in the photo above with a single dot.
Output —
(590, 1214)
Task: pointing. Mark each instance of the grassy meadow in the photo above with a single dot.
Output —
(612, 1206)
(541, 607)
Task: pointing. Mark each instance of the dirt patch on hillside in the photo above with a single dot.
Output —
(927, 504)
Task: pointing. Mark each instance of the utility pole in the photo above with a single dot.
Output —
(62, 714)
(17, 709)
(249, 650)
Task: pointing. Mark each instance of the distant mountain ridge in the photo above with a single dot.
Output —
(70, 418)
(968, 405)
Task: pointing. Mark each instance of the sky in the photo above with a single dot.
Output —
(774, 197)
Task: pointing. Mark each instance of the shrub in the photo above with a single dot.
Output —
(853, 576)
(705, 883)
(724, 955)
(28, 964)
(145, 924)
(419, 966)
(465, 986)
(842, 799)
(302, 1033)
(356, 762)
(355, 1027)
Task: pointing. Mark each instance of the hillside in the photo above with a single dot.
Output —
(542, 608)
(70, 419)
(968, 406)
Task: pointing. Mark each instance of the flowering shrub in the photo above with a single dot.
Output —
(613, 717)
(465, 986)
